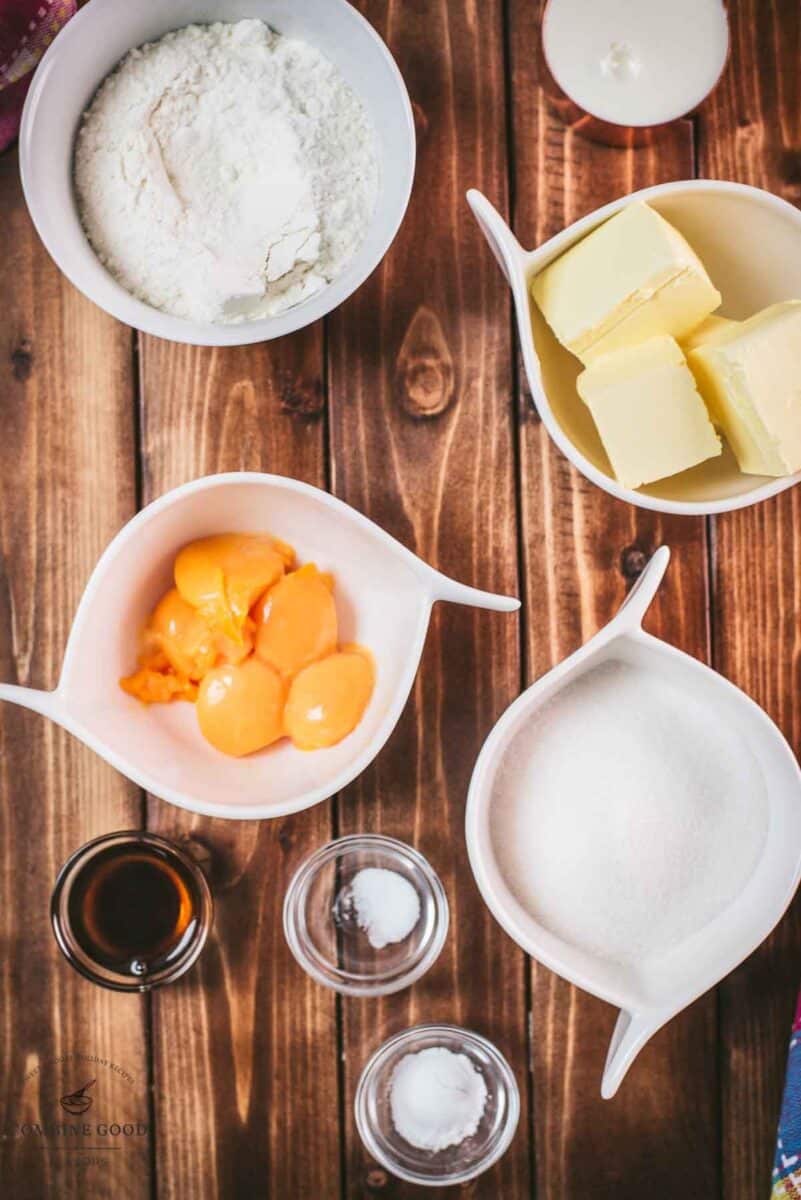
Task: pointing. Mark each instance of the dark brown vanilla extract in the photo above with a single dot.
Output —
(134, 909)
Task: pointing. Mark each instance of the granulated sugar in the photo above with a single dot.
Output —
(626, 816)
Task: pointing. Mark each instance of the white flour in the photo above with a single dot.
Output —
(225, 173)
(626, 816)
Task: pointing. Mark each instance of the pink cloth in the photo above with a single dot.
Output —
(27, 27)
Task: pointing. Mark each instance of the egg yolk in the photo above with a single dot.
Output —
(182, 635)
(229, 651)
(253, 643)
(327, 699)
(158, 687)
(240, 707)
(178, 648)
(296, 621)
(223, 576)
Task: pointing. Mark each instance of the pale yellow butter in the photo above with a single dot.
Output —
(633, 278)
(652, 421)
(750, 377)
(713, 329)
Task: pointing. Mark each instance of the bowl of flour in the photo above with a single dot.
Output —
(217, 173)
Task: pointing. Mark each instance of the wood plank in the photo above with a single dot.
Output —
(420, 380)
(750, 130)
(66, 486)
(244, 1053)
(582, 549)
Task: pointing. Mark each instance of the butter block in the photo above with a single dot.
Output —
(652, 421)
(633, 278)
(713, 329)
(750, 378)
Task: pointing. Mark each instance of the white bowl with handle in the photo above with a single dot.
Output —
(384, 595)
(92, 44)
(651, 991)
(750, 242)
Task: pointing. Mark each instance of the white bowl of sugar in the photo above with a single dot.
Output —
(240, 224)
(634, 823)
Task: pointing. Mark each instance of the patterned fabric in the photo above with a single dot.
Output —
(27, 27)
(787, 1164)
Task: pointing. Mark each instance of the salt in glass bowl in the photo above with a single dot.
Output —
(321, 928)
(455, 1164)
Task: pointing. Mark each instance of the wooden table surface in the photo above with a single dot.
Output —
(408, 403)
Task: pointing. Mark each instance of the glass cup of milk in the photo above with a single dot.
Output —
(635, 63)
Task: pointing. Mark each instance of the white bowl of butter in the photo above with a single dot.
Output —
(748, 242)
(92, 45)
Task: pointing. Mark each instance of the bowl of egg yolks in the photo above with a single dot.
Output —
(245, 645)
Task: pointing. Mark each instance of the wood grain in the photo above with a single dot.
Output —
(66, 485)
(244, 1051)
(421, 440)
(582, 549)
(433, 435)
(750, 130)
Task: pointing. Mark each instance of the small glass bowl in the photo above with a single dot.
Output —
(321, 928)
(136, 975)
(455, 1164)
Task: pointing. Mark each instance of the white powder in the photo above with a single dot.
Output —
(225, 173)
(627, 816)
(436, 1098)
(386, 906)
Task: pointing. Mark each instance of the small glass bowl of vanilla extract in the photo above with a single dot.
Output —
(131, 911)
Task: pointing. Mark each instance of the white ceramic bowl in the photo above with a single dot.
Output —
(384, 595)
(750, 242)
(650, 991)
(92, 44)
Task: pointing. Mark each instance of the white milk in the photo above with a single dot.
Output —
(636, 62)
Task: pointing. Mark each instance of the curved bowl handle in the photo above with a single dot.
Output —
(516, 264)
(631, 1033)
(502, 241)
(633, 609)
(442, 588)
(46, 703)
